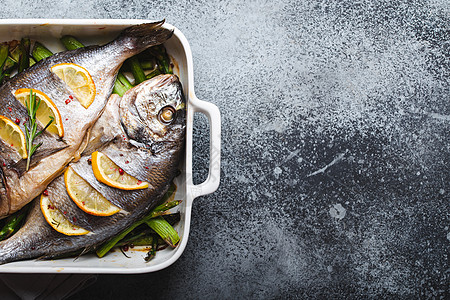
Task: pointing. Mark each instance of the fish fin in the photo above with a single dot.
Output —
(158, 147)
(5, 204)
(142, 36)
(77, 155)
(20, 166)
(75, 254)
(43, 257)
(83, 251)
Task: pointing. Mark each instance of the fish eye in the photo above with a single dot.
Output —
(166, 114)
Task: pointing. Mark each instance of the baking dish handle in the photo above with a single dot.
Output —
(212, 112)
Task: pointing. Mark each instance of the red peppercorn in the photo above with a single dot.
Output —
(4, 164)
(17, 121)
(74, 219)
(10, 109)
(121, 172)
(67, 101)
(45, 193)
(127, 162)
(70, 97)
(139, 182)
(89, 161)
(125, 248)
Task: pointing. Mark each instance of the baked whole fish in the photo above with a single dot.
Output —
(18, 186)
(134, 135)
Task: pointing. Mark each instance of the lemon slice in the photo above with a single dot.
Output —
(86, 197)
(57, 220)
(106, 171)
(46, 110)
(11, 134)
(79, 81)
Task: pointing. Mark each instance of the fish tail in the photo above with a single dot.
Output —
(140, 37)
(5, 253)
(26, 243)
(11, 250)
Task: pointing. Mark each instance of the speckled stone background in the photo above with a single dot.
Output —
(335, 173)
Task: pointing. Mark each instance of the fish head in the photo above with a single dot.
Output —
(154, 111)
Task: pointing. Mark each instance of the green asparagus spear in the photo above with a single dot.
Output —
(119, 88)
(12, 224)
(24, 57)
(163, 208)
(4, 49)
(112, 242)
(71, 43)
(164, 230)
(14, 52)
(149, 64)
(164, 59)
(40, 52)
(153, 73)
(121, 85)
(10, 63)
(151, 254)
(142, 241)
(136, 69)
(143, 238)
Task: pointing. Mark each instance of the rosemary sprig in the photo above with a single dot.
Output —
(31, 132)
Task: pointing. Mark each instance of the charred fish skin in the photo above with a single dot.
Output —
(36, 239)
(102, 63)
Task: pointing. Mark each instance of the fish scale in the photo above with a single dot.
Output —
(103, 63)
(38, 239)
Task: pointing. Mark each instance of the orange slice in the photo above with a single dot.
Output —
(79, 81)
(86, 197)
(57, 220)
(106, 171)
(13, 136)
(46, 110)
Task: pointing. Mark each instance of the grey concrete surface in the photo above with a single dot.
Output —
(335, 174)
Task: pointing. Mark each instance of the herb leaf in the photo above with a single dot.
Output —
(30, 131)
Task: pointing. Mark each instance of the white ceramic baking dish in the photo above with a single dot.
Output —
(98, 32)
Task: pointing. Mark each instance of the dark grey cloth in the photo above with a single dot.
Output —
(42, 286)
